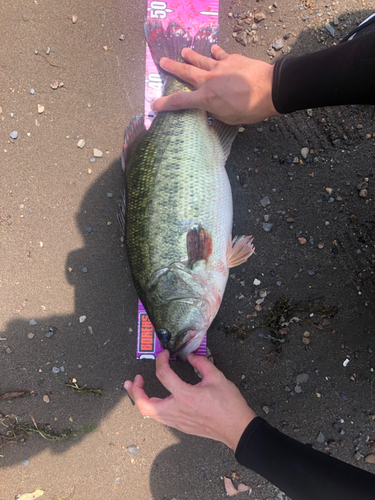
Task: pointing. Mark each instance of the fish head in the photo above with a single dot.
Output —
(182, 307)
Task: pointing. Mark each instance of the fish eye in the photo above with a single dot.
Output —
(164, 335)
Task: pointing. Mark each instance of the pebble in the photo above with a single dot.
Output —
(302, 378)
(297, 389)
(370, 459)
(344, 397)
(40, 108)
(336, 21)
(84, 269)
(74, 18)
(265, 201)
(26, 462)
(259, 16)
(306, 340)
(49, 333)
(132, 449)
(122, 37)
(241, 129)
(311, 241)
(48, 51)
(278, 44)
(32, 322)
(312, 272)
(117, 480)
(82, 319)
(304, 152)
(109, 195)
(55, 369)
(92, 159)
(256, 282)
(363, 193)
(330, 29)
(267, 226)
(32, 91)
(54, 85)
(302, 240)
(266, 410)
(46, 399)
(97, 153)
(81, 143)
(309, 112)
(89, 229)
(287, 389)
(320, 245)
(320, 438)
(31, 335)
(14, 134)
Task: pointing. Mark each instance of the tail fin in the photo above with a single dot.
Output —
(169, 43)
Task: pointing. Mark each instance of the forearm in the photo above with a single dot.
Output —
(343, 74)
(301, 472)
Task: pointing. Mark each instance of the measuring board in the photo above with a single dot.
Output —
(191, 14)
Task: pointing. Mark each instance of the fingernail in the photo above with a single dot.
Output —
(127, 385)
(161, 62)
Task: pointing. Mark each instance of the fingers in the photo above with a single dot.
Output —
(173, 102)
(166, 375)
(218, 53)
(185, 72)
(197, 60)
(203, 365)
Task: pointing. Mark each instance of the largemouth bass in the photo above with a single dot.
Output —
(178, 216)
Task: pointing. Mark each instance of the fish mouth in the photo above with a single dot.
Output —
(188, 345)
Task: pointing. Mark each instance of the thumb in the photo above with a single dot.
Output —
(203, 365)
(174, 102)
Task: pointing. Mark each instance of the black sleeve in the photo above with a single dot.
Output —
(342, 74)
(301, 472)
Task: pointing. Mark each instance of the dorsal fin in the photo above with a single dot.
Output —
(226, 134)
(133, 133)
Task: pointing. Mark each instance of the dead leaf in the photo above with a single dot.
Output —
(32, 496)
(229, 488)
(9, 395)
(244, 487)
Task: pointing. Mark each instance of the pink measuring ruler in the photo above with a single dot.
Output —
(191, 14)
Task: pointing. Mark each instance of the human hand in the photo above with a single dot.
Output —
(233, 88)
(214, 408)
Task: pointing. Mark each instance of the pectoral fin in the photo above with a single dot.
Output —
(239, 250)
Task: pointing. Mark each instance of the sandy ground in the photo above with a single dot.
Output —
(54, 270)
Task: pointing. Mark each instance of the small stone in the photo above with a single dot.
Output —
(61, 84)
(241, 129)
(82, 319)
(304, 152)
(306, 340)
(258, 307)
(54, 85)
(266, 410)
(368, 136)
(267, 226)
(320, 438)
(89, 229)
(32, 322)
(265, 201)
(46, 399)
(92, 159)
(40, 108)
(363, 193)
(344, 397)
(97, 153)
(297, 389)
(109, 195)
(330, 29)
(302, 378)
(259, 16)
(263, 293)
(31, 335)
(14, 134)
(122, 37)
(329, 190)
(81, 143)
(132, 449)
(370, 459)
(335, 21)
(48, 51)
(320, 245)
(84, 269)
(117, 480)
(55, 369)
(278, 44)
(49, 333)
(89, 171)
(32, 91)
(302, 240)
(256, 282)
(26, 462)
(309, 112)
(74, 18)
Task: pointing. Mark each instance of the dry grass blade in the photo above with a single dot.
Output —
(10, 395)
